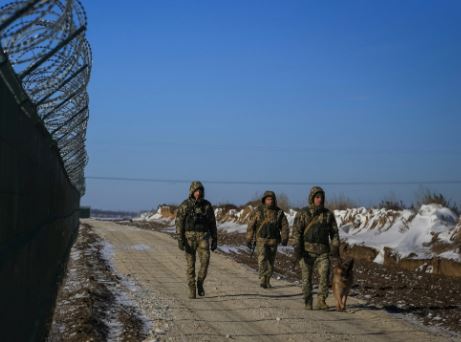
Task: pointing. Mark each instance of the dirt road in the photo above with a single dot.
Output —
(235, 307)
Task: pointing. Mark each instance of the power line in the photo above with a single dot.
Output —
(283, 148)
(296, 183)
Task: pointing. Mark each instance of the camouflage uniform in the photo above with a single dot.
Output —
(195, 225)
(314, 228)
(268, 226)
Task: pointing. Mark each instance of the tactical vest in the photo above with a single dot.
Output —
(318, 229)
(196, 218)
(270, 229)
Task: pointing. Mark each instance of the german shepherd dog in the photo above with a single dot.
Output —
(343, 278)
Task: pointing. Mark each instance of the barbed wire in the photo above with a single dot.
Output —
(46, 45)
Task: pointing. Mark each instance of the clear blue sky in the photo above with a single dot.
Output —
(296, 91)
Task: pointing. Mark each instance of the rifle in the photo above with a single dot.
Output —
(253, 247)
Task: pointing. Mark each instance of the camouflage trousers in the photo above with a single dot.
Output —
(266, 259)
(320, 263)
(198, 243)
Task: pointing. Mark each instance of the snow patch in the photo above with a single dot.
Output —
(122, 295)
(227, 249)
(451, 255)
(141, 247)
(232, 227)
(379, 259)
(157, 216)
(287, 250)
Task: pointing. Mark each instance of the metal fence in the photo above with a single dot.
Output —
(44, 40)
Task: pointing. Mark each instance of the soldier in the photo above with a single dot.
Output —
(195, 225)
(315, 235)
(267, 228)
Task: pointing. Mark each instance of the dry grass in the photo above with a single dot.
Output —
(390, 204)
(173, 207)
(426, 196)
(341, 202)
(227, 206)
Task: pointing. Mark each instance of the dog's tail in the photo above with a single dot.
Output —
(348, 265)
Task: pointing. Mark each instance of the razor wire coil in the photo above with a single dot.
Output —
(45, 43)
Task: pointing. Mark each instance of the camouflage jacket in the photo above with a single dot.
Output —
(269, 223)
(196, 215)
(315, 228)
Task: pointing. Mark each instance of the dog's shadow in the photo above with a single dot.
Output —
(356, 307)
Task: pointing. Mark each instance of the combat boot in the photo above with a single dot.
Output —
(321, 305)
(268, 282)
(308, 303)
(192, 292)
(200, 289)
(263, 283)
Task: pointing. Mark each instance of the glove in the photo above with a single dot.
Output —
(284, 242)
(334, 253)
(187, 248)
(214, 244)
(298, 253)
(181, 244)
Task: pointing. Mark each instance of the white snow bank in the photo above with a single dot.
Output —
(405, 231)
(408, 232)
(154, 216)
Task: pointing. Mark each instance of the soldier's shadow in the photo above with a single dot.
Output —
(247, 296)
